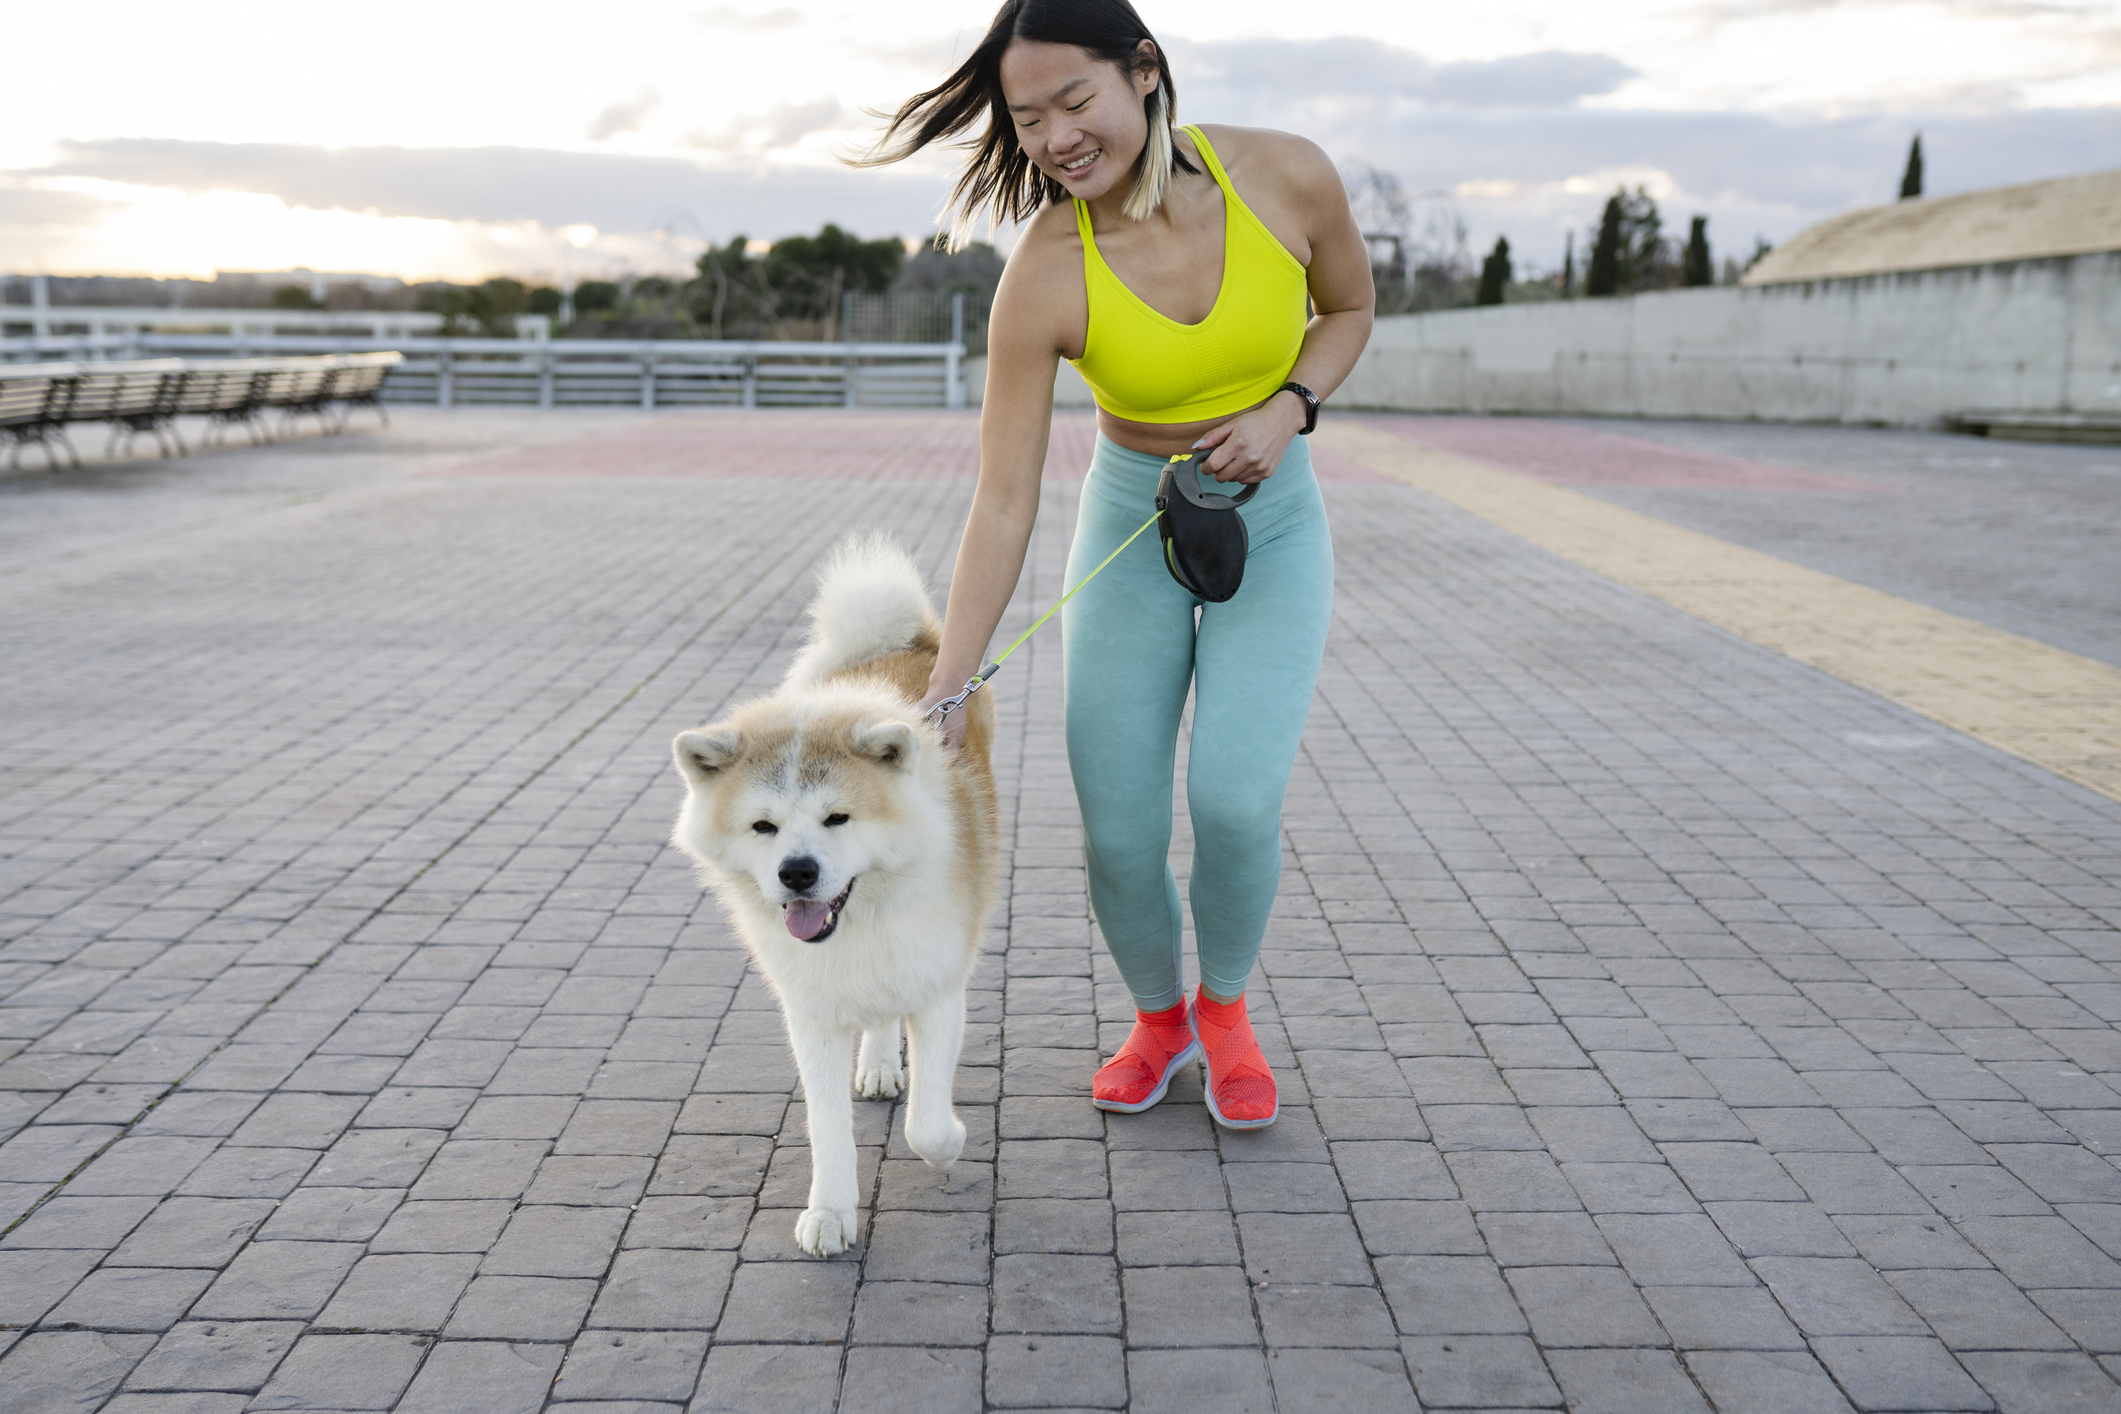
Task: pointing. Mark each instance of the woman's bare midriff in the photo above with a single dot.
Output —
(1161, 439)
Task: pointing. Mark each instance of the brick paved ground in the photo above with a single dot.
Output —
(1660, 1023)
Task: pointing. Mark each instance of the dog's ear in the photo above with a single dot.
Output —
(700, 754)
(887, 743)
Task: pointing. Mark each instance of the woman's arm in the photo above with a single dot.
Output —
(1016, 416)
(1250, 446)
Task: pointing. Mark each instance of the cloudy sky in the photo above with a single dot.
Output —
(544, 139)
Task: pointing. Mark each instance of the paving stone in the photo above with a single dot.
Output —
(442, 1225)
(343, 1372)
(1624, 1381)
(632, 1365)
(1448, 1296)
(1765, 1380)
(278, 1281)
(921, 1246)
(1722, 1318)
(1342, 1317)
(1170, 1381)
(664, 1289)
(129, 1299)
(800, 1302)
(1081, 1225)
(1055, 1294)
(1581, 1306)
(412, 1292)
(2028, 1381)
(893, 1379)
(1899, 1372)
(1340, 1381)
(1185, 1306)
(1837, 1296)
(1056, 1372)
(331, 1214)
(1180, 1239)
(482, 1377)
(192, 1232)
(1478, 1371)
(215, 1355)
(556, 1242)
(67, 1369)
(920, 1313)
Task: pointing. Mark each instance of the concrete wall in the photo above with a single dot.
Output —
(1903, 349)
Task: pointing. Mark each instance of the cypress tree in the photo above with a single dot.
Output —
(1568, 266)
(1698, 268)
(1911, 179)
(1604, 276)
(1494, 273)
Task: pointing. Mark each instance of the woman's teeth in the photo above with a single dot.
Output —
(1081, 162)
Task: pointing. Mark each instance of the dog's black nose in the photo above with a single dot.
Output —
(798, 872)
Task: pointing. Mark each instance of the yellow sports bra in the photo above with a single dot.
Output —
(1147, 367)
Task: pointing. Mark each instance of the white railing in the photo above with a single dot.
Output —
(46, 321)
(644, 373)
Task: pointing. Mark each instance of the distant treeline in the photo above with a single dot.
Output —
(793, 290)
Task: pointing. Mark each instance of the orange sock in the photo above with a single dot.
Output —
(1240, 1085)
(1135, 1078)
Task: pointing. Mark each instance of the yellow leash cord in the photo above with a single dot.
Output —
(944, 708)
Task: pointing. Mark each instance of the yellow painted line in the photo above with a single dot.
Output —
(2058, 710)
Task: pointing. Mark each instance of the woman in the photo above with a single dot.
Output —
(1171, 266)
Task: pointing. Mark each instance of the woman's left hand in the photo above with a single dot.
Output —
(1251, 445)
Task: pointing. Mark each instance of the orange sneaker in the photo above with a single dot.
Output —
(1240, 1088)
(1139, 1075)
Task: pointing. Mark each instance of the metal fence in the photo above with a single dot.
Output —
(591, 372)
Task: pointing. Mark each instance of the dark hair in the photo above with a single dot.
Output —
(999, 178)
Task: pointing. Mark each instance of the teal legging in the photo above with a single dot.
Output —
(1133, 646)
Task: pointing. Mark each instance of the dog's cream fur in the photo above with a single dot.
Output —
(917, 849)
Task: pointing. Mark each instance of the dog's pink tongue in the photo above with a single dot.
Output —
(806, 919)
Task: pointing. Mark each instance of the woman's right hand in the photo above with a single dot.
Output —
(952, 726)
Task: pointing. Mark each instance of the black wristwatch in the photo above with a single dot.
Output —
(1310, 404)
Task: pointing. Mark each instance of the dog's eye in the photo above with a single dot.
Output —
(764, 827)
(831, 820)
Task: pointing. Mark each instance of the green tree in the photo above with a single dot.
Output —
(1911, 179)
(545, 300)
(293, 297)
(1631, 253)
(730, 298)
(810, 273)
(1568, 267)
(1699, 268)
(1604, 276)
(489, 309)
(1494, 273)
(593, 295)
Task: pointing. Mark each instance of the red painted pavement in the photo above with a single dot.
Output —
(824, 444)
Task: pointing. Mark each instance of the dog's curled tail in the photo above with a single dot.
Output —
(871, 602)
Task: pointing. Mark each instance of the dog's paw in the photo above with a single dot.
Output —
(939, 1146)
(824, 1231)
(878, 1082)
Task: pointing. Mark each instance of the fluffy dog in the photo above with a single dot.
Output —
(857, 861)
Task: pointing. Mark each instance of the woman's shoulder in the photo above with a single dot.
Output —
(1268, 154)
(1047, 240)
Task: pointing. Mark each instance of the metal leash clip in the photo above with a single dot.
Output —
(942, 710)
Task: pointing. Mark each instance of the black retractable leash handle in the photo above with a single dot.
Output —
(1202, 533)
(1204, 537)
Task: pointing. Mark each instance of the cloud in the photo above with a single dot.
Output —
(623, 117)
(781, 126)
(52, 207)
(502, 185)
(730, 17)
(1343, 66)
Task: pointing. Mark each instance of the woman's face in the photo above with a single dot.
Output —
(1079, 117)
